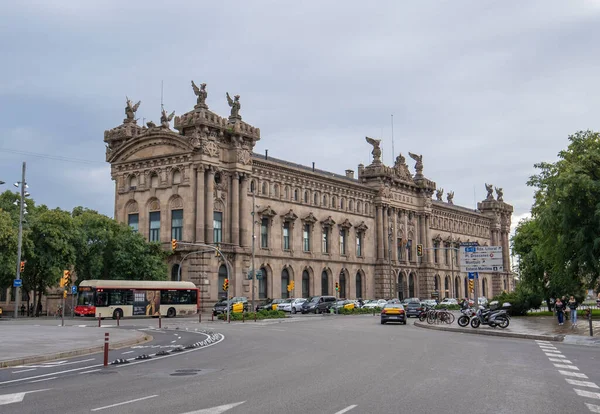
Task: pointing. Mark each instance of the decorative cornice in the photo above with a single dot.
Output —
(267, 212)
(362, 227)
(310, 219)
(328, 222)
(345, 224)
(289, 216)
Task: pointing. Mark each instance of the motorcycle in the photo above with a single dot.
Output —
(466, 316)
(492, 317)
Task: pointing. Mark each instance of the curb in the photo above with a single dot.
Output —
(75, 352)
(554, 338)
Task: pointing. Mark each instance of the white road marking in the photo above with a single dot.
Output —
(551, 351)
(43, 379)
(547, 347)
(573, 374)
(581, 383)
(555, 355)
(345, 410)
(17, 397)
(90, 371)
(588, 394)
(566, 366)
(25, 370)
(173, 341)
(216, 410)
(539, 341)
(128, 352)
(123, 403)
(593, 408)
(56, 364)
(566, 361)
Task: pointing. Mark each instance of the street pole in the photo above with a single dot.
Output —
(253, 241)
(392, 276)
(19, 247)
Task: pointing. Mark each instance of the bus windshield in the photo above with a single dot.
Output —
(86, 299)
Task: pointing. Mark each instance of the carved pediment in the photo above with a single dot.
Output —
(328, 222)
(362, 227)
(289, 216)
(267, 212)
(345, 224)
(310, 219)
(150, 147)
(437, 238)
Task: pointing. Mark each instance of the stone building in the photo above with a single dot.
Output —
(317, 228)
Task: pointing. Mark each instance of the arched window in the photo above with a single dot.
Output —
(447, 286)
(264, 188)
(315, 199)
(296, 197)
(175, 273)
(154, 180)
(325, 200)
(484, 287)
(342, 284)
(351, 205)
(285, 281)
(333, 202)
(306, 197)
(252, 186)
(305, 284)
(222, 277)
(324, 283)
(276, 190)
(133, 182)
(359, 292)
(401, 286)
(457, 287)
(176, 177)
(359, 207)
(466, 287)
(286, 193)
(262, 284)
(411, 285)
(436, 283)
(342, 204)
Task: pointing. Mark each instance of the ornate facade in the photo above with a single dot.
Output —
(197, 185)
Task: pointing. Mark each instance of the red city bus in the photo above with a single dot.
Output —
(126, 298)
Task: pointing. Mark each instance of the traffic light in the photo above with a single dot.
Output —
(22, 267)
(471, 286)
(419, 250)
(65, 294)
(64, 280)
(291, 285)
(337, 287)
(226, 285)
(289, 288)
(174, 244)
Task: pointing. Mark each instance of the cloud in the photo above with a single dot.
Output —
(482, 90)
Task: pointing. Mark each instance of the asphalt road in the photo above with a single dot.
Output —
(326, 364)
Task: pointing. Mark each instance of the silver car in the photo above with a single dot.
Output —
(291, 305)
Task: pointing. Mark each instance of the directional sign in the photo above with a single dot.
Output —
(473, 275)
(73, 289)
(17, 282)
(481, 259)
(465, 244)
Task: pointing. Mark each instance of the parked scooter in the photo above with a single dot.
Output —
(465, 318)
(492, 317)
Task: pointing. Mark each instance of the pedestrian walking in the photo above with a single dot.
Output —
(23, 310)
(559, 308)
(572, 304)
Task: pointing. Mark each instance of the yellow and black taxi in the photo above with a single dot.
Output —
(393, 312)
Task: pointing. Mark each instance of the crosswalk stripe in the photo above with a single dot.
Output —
(555, 355)
(581, 383)
(573, 374)
(593, 407)
(566, 361)
(566, 366)
(588, 394)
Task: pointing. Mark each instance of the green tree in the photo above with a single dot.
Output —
(567, 214)
(8, 250)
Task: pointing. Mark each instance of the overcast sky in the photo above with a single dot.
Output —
(483, 90)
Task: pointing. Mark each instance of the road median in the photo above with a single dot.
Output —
(490, 332)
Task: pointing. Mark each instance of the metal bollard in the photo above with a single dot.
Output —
(243, 317)
(105, 348)
(199, 317)
(212, 317)
(118, 317)
(254, 316)
(99, 320)
(590, 319)
(229, 318)
(159, 320)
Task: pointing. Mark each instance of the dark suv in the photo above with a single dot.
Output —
(221, 306)
(413, 309)
(318, 304)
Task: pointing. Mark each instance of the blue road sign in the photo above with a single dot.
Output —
(73, 289)
(17, 282)
(473, 275)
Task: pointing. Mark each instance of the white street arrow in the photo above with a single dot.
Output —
(216, 410)
(17, 397)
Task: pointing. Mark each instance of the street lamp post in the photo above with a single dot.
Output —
(253, 242)
(392, 276)
(22, 185)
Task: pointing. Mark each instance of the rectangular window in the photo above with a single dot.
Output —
(264, 233)
(409, 250)
(447, 254)
(359, 245)
(286, 235)
(436, 248)
(343, 242)
(133, 221)
(325, 243)
(399, 248)
(306, 238)
(176, 224)
(154, 226)
(217, 227)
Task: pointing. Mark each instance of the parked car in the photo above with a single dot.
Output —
(270, 305)
(318, 304)
(344, 303)
(449, 301)
(291, 305)
(430, 303)
(408, 300)
(376, 303)
(393, 312)
(413, 309)
(221, 306)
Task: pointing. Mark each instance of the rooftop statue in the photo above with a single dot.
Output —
(490, 191)
(235, 106)
(450, 197)
(201, 95)
(500, 194)
(376, 149)
(419, 164)
(130, 110)
(439, 194)
(166, 119)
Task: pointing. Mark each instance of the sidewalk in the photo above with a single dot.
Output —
(25, 344)
(531, 327)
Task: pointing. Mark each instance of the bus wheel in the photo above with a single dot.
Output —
(118, 314)
(171, 313)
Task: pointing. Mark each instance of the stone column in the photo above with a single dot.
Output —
(422, 237)
(245, 211)
(200, 199)
(379, 230)
(428, 241)
(395, 236)
(405, 214)
(209, 196)
(386, 236)
(235, 209)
